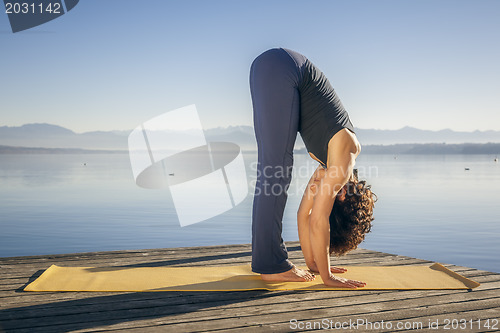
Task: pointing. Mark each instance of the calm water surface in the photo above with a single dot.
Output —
(429, 207)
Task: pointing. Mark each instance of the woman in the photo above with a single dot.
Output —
(290, 95)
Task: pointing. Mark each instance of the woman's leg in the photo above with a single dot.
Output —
(274, 78)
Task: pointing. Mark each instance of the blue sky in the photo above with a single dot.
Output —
(112, 64)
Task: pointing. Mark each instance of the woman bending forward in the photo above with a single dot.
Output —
(291, 95)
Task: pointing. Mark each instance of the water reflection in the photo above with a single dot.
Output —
(429, 207)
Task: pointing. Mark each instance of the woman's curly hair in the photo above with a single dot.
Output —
(351, 218)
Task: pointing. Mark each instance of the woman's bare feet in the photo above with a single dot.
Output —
(293, 275)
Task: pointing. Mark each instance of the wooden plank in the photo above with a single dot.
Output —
(242, 320)
(184, 253)
(17, 282)
(250, 301)
(23, 272)
(285, 326)
(8, 293)
(14, 288)
(376, 258)
(217, 311)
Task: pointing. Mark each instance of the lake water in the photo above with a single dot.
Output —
(429, 207)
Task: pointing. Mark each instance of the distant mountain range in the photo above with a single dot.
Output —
(414, 135)
(53, 136)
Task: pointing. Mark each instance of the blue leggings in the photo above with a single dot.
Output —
(274, 78)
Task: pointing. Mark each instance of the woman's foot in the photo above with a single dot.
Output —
(293, 275)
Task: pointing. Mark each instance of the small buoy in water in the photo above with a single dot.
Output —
(170, 174)
(84, 164)
(496, 159)
(467, 169)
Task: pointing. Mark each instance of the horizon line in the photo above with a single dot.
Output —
(247, 125)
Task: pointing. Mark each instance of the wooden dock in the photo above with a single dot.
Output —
(242, 311)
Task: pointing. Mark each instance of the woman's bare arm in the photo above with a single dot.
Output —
(340, 165)
(303, 213)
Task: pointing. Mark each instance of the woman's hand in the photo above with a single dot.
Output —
(338, 282)
(313, 268)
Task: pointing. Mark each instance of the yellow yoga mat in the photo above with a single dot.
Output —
(225, 278)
